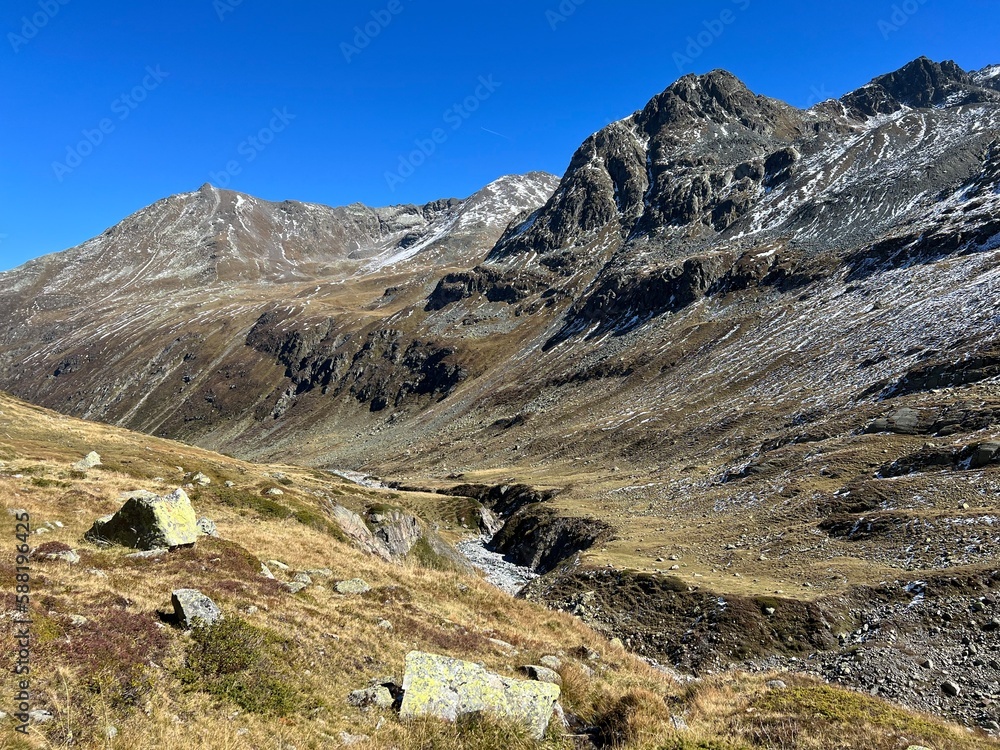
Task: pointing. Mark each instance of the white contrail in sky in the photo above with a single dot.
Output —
(499, 134)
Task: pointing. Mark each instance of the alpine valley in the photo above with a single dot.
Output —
(730, 386)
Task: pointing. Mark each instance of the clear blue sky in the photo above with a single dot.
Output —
(82, 68)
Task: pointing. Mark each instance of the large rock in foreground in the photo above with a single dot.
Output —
(449, 689)
(147, 521)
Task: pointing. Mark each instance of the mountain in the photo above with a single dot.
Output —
(738, 349)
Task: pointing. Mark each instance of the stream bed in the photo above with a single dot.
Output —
(499, 571)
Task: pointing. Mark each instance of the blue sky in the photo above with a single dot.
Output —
(111, 106)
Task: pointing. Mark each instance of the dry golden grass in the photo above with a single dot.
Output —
(125, 668)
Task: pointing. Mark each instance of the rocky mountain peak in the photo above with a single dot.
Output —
(919, 84)
(718, 96)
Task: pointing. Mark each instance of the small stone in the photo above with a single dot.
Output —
(206, 527)
(352, 586)
(68, 556)
(277, 565)
(266, 571)
(616, 643)
(320, 573)
(384, 625)
(295, 586)
(230, 483)
(147, 554)
(78, 620)
(302, 578)
(776, 684)
(991, 725)
(373, 697)
(927, 664)
(503, 646)
(110, 732)
(950, 688)
(769, 611)
(347, 739)
(552, 662)
(41, 717)
(194, 608)
(201, 479)
(274, 492)
(680, 725)
(42, 530)
(541, 674)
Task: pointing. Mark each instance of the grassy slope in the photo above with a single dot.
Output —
(124, 668)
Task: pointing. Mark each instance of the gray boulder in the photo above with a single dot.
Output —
(147, 521)
(352, 586)
(90, 461)
(541, 674)
(194, 608)
(552, 662)
(449, 689)
(984, 454)
(206, 527)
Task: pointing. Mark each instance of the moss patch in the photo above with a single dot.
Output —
(244, 664)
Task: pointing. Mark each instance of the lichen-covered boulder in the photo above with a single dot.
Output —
(449, 689)
(147, 521)
(194, 608)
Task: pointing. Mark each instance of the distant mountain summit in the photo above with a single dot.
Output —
(220, 236)
(922, 83)
(252, 326)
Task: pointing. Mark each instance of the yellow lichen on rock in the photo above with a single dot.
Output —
(148, 521)
(449, 689)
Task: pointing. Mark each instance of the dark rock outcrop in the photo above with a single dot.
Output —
(539, 538)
